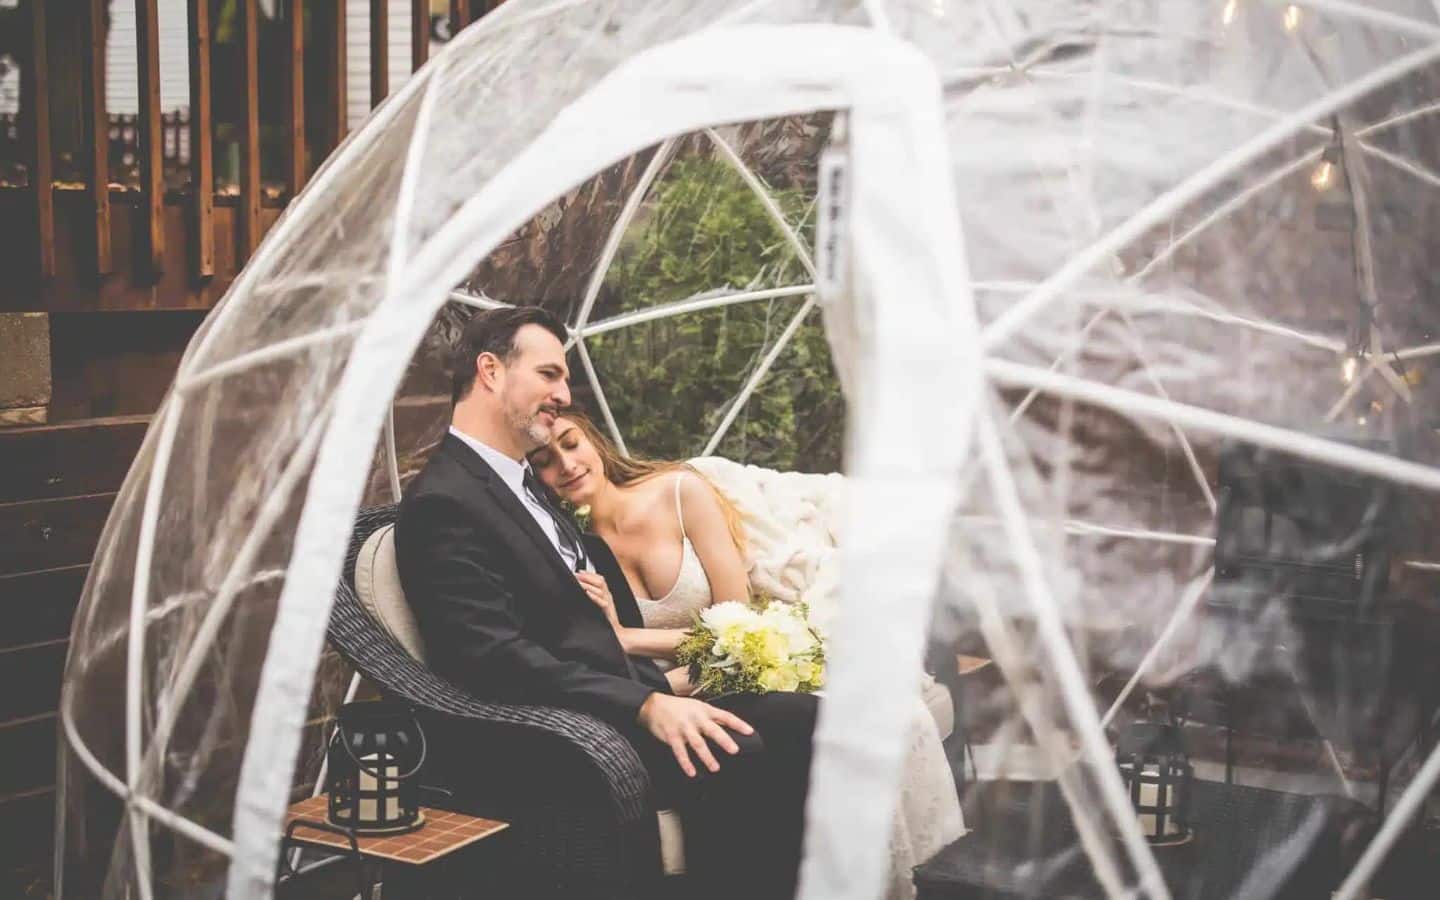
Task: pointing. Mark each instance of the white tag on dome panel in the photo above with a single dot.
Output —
(832, 231)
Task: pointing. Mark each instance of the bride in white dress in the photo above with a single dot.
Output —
(680, 543)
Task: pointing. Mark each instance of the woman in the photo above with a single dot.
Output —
(681, 546)
(677, 539)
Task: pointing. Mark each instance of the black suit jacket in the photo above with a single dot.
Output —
(501, 613)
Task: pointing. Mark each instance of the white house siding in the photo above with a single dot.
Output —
(357, 44)
(122, 69)
(9, 76)
(9, 88)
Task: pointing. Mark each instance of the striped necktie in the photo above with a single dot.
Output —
(564, 528)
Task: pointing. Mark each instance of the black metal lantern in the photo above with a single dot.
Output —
(374, 762)
(1157, 776)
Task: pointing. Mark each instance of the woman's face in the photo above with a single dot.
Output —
(569, 465)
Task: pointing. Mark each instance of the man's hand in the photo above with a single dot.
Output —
(684, 724)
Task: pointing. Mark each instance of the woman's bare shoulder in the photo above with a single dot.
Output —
(653, 501)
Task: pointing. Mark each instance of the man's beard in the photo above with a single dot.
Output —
(529, 425)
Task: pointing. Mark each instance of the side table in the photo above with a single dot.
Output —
(1024, 846)
(413, 865)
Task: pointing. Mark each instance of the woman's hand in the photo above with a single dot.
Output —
(599, 593)
(679, 679)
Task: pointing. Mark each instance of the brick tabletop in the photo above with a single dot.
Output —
(442, 833)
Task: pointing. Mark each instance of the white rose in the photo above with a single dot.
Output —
(724, 616)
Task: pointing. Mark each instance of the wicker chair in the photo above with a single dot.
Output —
(583, 821)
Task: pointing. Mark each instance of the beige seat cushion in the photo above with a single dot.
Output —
(936, 697)
(672, 842)
(377, 584)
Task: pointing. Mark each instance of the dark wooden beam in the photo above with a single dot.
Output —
(419, 33)
(459, 16)
(339, 112)
(34, 673)
(379, 51)
(295, 171)
(202, 160)
(250, 187)
(90, 456)
(49, 534)
(40, 606)
(152, 146)
(28, 748)
(27, 829)
(35, 107)
(97, 131)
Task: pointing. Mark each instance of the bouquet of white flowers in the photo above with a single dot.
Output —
(736, 647)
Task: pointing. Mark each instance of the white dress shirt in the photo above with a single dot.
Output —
(512, 472)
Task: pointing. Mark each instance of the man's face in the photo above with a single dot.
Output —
(534, 387)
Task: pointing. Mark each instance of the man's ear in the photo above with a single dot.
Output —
(487, 370)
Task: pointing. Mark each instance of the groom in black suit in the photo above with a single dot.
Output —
(489, 566)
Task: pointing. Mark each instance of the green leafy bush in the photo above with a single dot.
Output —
(670, 382)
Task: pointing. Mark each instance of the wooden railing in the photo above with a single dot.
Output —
(263, 61)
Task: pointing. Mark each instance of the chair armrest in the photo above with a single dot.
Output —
(506, 734)
(537, 754)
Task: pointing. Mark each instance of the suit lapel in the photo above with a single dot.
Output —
(506, 500)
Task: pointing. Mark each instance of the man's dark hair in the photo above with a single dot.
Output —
(493, 331)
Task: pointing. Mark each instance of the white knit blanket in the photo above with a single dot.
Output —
(792, 524)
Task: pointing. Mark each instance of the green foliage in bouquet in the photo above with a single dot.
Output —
(738, 648)
(670, 382)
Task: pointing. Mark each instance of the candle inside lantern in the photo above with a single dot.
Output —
(1150, 797)
(369, 783)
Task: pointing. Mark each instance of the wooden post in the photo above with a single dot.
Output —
(152, 145)
(379, 51)
(419, 33)
(295, 99)
(338, 101)
(459, 16)
(202, 160)
(97, 131)
(35, 108)
(250, 190)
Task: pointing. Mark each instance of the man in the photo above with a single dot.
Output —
(490, 568)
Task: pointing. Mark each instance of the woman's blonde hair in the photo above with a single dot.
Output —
(621, 470)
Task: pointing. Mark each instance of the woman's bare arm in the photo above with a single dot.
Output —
(655, 643)
(706, 527)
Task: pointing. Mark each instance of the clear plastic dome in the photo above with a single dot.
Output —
(1090, 276)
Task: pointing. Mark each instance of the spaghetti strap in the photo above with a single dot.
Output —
(678, 512)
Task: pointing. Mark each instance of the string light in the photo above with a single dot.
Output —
(1327, 173)
(1347, 369)
(1227, 15)
(1292, 17)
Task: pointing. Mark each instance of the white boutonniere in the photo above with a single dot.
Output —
(581, 514)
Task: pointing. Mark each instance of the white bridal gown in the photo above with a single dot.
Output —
(928, 817)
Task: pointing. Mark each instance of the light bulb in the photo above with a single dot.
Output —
(1361, 420)
(1227, 15)
(1347, 369)
(1328, 171)
(1292, 17)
